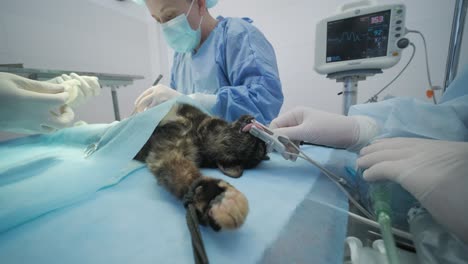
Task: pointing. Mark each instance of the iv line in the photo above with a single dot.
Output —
(340, 182)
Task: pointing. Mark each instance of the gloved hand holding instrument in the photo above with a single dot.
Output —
(154, 96)
(87, 87)
(323, 128)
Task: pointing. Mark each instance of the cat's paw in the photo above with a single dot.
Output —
(230, 208)
(219, 204)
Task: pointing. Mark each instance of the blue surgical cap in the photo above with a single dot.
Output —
(211, 3)
(140, 2)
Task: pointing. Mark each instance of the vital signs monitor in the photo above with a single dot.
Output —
(360, 37)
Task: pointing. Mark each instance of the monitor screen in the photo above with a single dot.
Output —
(358, 37)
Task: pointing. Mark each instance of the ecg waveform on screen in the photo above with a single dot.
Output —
(349, 36)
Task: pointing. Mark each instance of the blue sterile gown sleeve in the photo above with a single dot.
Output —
(409, 117)
(238, 65)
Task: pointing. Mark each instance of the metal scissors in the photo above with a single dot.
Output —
(273, 141)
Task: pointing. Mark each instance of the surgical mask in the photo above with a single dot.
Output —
(179, 34)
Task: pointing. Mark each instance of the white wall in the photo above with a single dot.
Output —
(105, 36)
(290, 27)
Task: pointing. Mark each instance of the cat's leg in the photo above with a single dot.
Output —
(173, 170)
(218, 203)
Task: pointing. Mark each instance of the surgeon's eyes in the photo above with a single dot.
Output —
(168, 17)
(157, 19)
(164, 19)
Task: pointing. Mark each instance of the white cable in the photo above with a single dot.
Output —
(372, 223)
(427, 61)
(340, 182)
(374, 97)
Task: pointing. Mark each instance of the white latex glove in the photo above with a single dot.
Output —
(154, 96)
(88, 87)
(207, 101)
(29, 107)
(434, 171)
(323, 128)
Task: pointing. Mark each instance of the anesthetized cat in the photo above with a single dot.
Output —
(187, 139)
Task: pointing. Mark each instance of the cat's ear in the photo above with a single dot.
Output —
(234, 171)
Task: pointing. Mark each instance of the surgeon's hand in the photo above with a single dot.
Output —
(323, 128)
(154, 96)
(88, 87)
(434, 171)
(29, 107)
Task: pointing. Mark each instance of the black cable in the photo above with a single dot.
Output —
(191, 217)
(198, 247)
(317, 145)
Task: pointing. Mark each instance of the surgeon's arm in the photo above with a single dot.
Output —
(30, 107)
(408, 117)
(251, 69)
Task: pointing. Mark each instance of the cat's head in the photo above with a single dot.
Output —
(231, 149)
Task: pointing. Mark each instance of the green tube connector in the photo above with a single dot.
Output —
(380, 196)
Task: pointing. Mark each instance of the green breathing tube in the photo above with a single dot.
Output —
(380, 195)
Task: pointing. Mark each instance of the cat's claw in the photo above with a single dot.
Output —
(220, 204)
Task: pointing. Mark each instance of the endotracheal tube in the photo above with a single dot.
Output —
(380, 195)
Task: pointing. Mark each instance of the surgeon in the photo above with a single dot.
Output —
(34, 107)
(421, 146)
(226, 64)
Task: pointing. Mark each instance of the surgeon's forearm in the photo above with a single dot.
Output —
(8, 79)
(367, 130)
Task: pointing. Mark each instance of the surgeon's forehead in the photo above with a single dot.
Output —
(159, 7)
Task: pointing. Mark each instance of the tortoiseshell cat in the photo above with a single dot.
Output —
(187, 139)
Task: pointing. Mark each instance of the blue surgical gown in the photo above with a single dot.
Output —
(237, 64)
(409, 117)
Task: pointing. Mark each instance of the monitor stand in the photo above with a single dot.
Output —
(350, 81)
